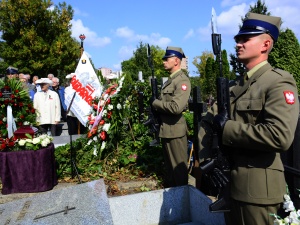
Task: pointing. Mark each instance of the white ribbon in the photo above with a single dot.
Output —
(11, 124)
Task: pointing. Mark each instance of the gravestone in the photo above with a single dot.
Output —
(80, 204)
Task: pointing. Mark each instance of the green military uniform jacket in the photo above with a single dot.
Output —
(264, 116)
(172, 102)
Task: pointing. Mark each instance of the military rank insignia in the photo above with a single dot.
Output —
(184, 87)
(289, 97)
(83, 61)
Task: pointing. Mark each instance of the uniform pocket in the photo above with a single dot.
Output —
(249, 109)
(168, 93)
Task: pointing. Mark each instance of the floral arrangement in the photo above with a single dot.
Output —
(101, 116)
(293, 218)
(33, 143)
(14, 95)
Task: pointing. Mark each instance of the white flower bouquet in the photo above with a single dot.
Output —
(35, 143)
(293, 218)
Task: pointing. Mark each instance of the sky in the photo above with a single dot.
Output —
(114, 28)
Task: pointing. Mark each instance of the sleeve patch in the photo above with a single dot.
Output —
(184, 87)
(289, 97)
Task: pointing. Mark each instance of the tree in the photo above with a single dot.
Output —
(37, 40)
(200, 62)
(225, 65)
(286, 54)
(208, 87)
(139, 62)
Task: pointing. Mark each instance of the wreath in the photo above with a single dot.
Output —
(13, 93)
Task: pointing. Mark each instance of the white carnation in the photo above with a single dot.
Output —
(104, 112)
(22, 142)
(28, 140)
(89, 142)
(35, 141)
(95, 151)
(106, 127)
(4, 119)
(44, 143)
(95, 138)
(119, 106)
(26, 123)
(103, 145)
(110, 107)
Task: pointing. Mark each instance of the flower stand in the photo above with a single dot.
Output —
(28, 171)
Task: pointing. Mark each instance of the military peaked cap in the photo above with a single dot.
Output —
(174, 52)
(259, 24)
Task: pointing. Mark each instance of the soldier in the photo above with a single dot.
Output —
(12, 72)
(264, 114)
(173, 129)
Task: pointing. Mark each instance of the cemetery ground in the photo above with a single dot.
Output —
(127, 180)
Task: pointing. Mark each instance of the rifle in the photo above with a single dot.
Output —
(153, 119)
(218, 168)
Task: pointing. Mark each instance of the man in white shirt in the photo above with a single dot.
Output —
(47, 105)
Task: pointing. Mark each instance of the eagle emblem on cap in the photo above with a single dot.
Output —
(289, 97)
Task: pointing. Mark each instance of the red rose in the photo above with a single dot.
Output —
(103, 135)
(12, 96)
(0, 94)
(108, 101)
(102, 122)
(15, 104)
(33, 111)
(21, 104)
(3, 145)
(1, 122)
(16, 91)
(109, 114)
(22, 116)
(11, 144)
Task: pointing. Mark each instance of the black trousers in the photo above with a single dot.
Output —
(45, 127)
(72, 125)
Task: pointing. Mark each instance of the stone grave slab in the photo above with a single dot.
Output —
(80, 204)
(62, 140)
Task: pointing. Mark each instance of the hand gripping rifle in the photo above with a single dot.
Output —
(218, 167)
(153, 118)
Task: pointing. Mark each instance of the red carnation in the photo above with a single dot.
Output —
(33, 111)
(109, 114)
(21, 104)
(1, 122)
(12, 96)
(16, 91)
(108, 101)
(22, 116)
(103, 135)
(102, 122)
(3, 145)
(11, 144)
(0, 94)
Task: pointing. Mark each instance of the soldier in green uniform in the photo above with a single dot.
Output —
(173, 129)
(264, 114)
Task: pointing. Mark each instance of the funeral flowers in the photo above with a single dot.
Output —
(293, 218)
(100, 119)
(35, 143)
(16, 108)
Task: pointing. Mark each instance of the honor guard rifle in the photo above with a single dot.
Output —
(153, 118)
(217, 168)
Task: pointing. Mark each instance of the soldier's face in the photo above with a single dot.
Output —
(249, 47)
(169, 63)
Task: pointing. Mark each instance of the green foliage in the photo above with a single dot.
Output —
(200, 62)
(139, 62)
(208, 87)
(129, 148)
(286, 54)
(190, 122)
(37, 40)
